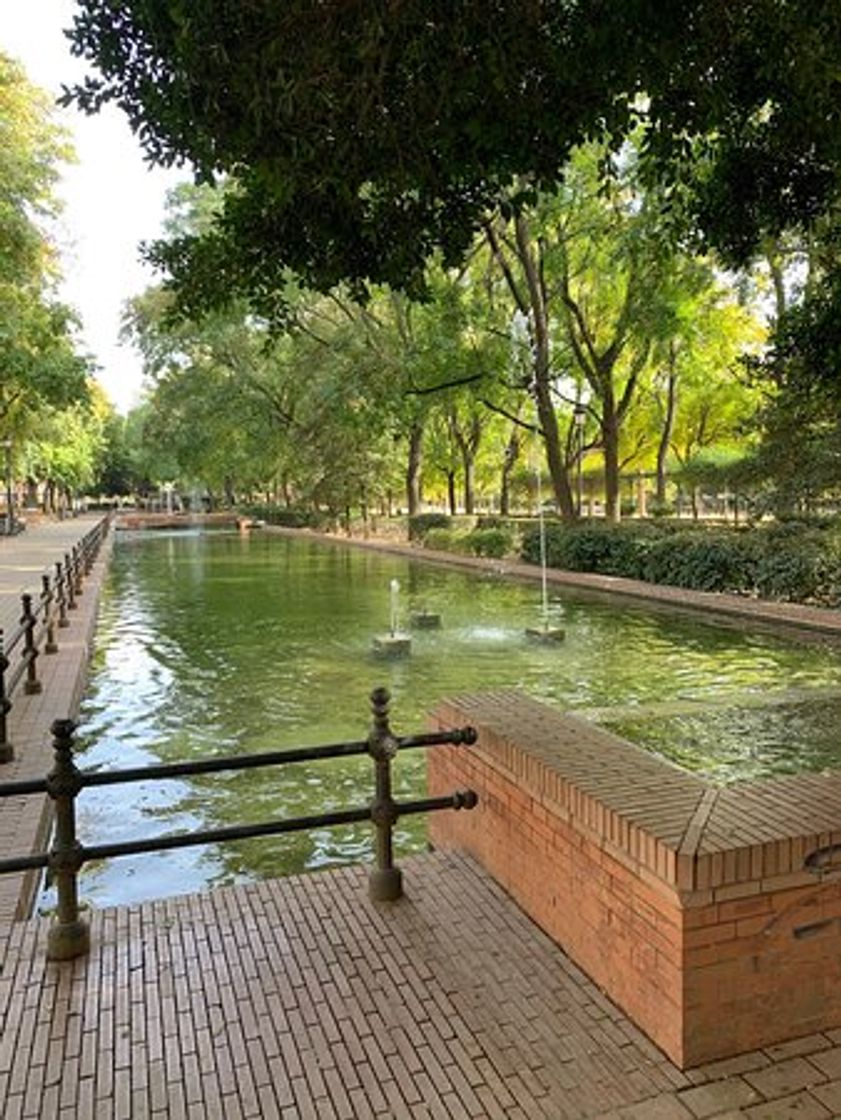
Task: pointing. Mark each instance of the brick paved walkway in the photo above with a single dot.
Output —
(25, 821)
(25, 557)
(299, 998)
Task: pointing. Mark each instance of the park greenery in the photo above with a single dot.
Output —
(572, 255)
(51, 411)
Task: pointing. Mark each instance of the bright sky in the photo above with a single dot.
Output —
(112, 200)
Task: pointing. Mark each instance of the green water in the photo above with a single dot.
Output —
(218, 643)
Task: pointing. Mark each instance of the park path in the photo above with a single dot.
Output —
(25, 821)
(300, 999)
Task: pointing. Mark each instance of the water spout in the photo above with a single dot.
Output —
(395, 605)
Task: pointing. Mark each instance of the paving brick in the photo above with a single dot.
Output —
(785, 1077)
(716, 1096)
(799, 1106)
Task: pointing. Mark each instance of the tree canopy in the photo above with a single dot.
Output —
(364, 136)
(39, 366)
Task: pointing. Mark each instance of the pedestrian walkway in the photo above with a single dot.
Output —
(24, 558)
(25, 821)
(299, 998)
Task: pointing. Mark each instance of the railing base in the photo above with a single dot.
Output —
(68, 940)
(7, 752)
(385, 884)
(32, 688)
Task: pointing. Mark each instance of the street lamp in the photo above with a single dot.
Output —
(10, 509)
(579, 415)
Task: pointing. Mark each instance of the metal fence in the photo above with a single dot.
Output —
(41, 617)
(69, 934)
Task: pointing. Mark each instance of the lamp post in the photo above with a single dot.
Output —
(10, 510)
(578, 417)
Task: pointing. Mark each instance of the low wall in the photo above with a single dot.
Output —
(689, 904)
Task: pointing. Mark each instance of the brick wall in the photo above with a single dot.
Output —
(711, 949)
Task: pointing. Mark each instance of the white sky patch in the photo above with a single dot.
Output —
(112, 200)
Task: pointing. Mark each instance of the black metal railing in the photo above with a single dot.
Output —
(69, 935)
(41, 617)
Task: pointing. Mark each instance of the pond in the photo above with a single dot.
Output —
(216, 643)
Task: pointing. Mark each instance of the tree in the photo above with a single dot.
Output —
(365, 136)
(39, 366)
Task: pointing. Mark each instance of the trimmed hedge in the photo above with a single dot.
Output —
(291, 518)
(793, 561)
(495, 543)
(422, 523)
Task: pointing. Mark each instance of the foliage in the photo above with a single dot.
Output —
(421, 523)
(40, 366)
(446, 540)
(289, 518)
(591, 547)
(494, 543)
(805, 568)
(797, 561)
(705, 561)
(364, 136)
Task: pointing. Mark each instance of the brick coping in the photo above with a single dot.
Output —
(703, 842)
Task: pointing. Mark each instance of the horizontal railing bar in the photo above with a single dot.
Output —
(24, 863)
(13, 639)
(23, 787)
(213, 765)
(15, 674)
(239, 832)
(267, 828)
(91, 778)
(457, 736)
(265, 758)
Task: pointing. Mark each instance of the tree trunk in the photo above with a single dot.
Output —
(512, 453)
(610, 450)
(542, 375)
(667, 429)
(413, 469)
(468, 484)
(451, 492)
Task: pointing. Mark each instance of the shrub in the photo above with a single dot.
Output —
(800, 569)
(421, 523)
(446, 540)
(610, 549)
(722, 561)
(291, 518)
(490, 542)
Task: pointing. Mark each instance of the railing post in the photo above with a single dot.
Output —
(69, 582)
(77, 570)
(385, 882)
(63, 620)
(30, 650)
(69, 936)
(7, 751)
(50, 645)
(89, 551)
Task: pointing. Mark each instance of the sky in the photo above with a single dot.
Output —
(112, 200)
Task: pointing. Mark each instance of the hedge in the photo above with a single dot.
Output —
(795, 562)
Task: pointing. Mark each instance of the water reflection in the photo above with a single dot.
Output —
(221, 643)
